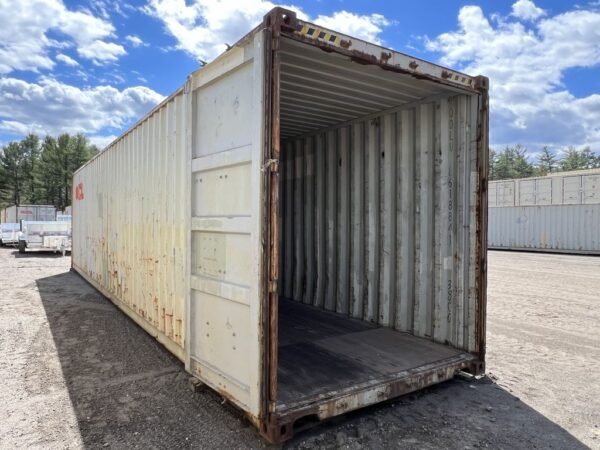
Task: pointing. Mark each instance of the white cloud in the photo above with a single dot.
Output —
(526, 10)
(99, 51)
(363, 27)
(25, 41)
(50, 106)
(202, 27)
(66, 60)
(101, 141)
(526, 63)
(134, 40)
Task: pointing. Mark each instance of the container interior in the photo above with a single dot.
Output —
(378, 185)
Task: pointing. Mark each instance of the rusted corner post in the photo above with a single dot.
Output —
(482, 85)
(276, 20)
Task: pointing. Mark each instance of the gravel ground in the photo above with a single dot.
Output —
(77, 373)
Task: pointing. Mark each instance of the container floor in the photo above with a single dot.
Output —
(321, 352)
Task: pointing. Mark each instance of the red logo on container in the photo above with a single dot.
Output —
(79, 192)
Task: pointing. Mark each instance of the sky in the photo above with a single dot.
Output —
(96, 66)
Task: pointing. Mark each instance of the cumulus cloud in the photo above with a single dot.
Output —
(367, 27)
(50, 106)
(66, 60)
(526, 63)
(202, 27)
(25, 28)
(526, 10)
(134, 40)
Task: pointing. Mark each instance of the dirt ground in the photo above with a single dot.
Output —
(77, 373)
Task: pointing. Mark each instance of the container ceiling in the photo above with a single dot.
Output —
(320, 89)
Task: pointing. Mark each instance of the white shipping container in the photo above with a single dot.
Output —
(556, 228)
(304, 229)
(565, 188)
(15, 214)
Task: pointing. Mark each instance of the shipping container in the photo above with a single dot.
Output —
(580, 187)
(303, 223)
(17, 213)
(556, 228)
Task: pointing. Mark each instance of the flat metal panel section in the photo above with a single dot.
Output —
(556, 228)
(226, 248)
(130, 223)
(408, 219)
(15, 214)
(579, 187)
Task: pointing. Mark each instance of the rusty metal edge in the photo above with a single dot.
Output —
(482, 85)
(291, 31)
(272, 24)
(368, 394)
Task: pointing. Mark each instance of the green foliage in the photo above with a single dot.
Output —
(514, 162)
(579, 159)
(31, 172)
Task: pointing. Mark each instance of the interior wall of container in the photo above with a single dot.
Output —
(379, 219)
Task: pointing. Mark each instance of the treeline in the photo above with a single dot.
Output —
(515, 162)
(40, 171)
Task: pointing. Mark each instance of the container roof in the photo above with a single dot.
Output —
(323, 88)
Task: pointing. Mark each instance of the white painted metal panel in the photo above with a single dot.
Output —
(506, 193)
(410, 211)
(527, 194)
(557, 228)
(572, 190)
(543, 191)
(591, 189)
(226, 249)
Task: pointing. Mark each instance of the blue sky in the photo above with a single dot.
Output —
(95, 66)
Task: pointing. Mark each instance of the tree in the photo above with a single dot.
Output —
(492, 164)
(578, 159)
(60, 157)
(546, 162)
(512, 162)
(13, 168)
(30, 148)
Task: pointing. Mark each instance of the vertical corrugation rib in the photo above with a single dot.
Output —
(424, 298)
(358, 225)
(342, 303)
(289, 220)
(407, 224)
(320, 224)
(331, 214)
(299, 180)
(373, 221)
(389, 213)
(309, 218)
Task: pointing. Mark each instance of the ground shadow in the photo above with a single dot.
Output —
(39, 254)
(128, 391)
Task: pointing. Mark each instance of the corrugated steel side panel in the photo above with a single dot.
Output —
(564, 228)
(379, 219)
(130, 212)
